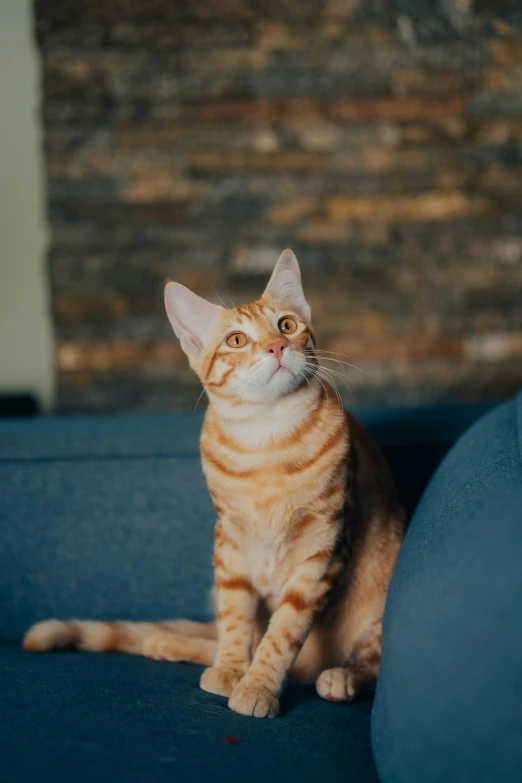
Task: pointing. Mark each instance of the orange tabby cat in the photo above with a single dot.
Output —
(308, 525)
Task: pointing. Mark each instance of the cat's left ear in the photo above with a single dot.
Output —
(285, 286)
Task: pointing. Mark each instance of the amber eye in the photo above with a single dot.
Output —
(237, 340)
(287, 325)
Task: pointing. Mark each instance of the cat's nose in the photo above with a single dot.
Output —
(277, 349)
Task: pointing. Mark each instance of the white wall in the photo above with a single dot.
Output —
(26, 357)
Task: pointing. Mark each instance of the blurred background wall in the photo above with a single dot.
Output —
(26, 360)
(195, 139)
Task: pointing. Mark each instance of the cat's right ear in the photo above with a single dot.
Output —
(191, 317)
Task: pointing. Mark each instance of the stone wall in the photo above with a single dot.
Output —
(194, 140)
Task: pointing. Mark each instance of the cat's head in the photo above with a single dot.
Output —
(260, 351)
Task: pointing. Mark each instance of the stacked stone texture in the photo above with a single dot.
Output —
(195, 140)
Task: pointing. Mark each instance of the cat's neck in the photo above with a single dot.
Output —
(258, 422)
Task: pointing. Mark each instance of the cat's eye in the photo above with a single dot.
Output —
(237, 340)
(287, 325)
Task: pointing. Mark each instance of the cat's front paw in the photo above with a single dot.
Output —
(219, 680)
(253, 701)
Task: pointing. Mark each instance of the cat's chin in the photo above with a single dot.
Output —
(282, 383)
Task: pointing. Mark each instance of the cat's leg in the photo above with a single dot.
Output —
(168, 646)
(258, 692)
(359, 624)
(317, 653)
(342, 683)
(236, 603)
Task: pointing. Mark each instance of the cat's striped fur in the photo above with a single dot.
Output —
(308, 524)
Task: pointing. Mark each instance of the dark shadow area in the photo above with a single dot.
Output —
(18, 405)
(295, 695)
(412, 468)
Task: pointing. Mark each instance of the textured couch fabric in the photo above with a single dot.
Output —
(449, 700)
(110, 518)
(79, 717)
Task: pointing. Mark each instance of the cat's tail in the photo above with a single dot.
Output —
(175, 640)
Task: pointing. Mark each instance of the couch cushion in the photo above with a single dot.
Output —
(83, 717)
(449, 700)
(104, 538)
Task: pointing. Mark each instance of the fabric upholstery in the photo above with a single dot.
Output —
(86, 718)
(449, 700)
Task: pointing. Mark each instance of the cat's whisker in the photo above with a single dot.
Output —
(341, 364)
(326, 371)
(334, 353)
(220, 299)
(336, 372)
(320, 351)
(347, 386)
(307, 379)
(343, 378)
(329, 370)
(332, 383)
(205, 389)
(319, 355)
(317, 373)
(340, 375)
(229, 296)
(324, 387)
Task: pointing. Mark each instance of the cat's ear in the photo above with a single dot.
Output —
(191, 317)
(285, 286)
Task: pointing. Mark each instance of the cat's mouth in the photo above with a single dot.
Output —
(280, 368)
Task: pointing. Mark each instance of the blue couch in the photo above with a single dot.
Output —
(109, 517)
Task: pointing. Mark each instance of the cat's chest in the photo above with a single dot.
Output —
(259, 496)
(265, 562)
